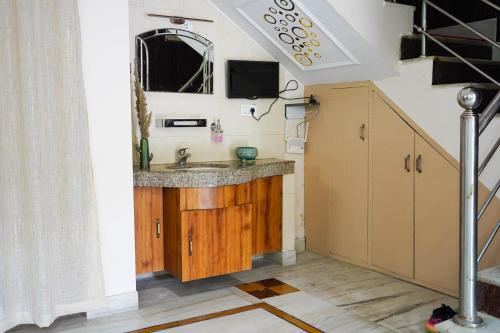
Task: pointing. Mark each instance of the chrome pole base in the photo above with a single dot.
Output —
(459, 320)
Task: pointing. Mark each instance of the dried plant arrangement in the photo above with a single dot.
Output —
(141, 108)
(144, 118)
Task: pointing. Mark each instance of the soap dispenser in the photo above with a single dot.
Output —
(217, 132)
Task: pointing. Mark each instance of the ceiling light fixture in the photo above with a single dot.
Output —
(180, 19)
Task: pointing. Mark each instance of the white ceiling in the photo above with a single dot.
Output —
(310, 38)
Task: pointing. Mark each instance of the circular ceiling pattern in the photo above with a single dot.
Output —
(305, 22)
(295, 30)
(290, 17)
(299, 32)
(286, 38)
(270, 19)
(303, 59)
(287, 5)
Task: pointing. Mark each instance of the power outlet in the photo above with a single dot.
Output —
(246, 109)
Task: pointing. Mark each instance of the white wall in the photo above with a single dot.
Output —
(435, 109)
(379, 22)
(230, 42)
(105, 47)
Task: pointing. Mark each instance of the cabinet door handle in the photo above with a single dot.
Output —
(190, 245)
(158, 228)
(419, 164)
(407, 163)
(362, 132)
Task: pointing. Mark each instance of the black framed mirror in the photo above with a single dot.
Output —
(174, 60)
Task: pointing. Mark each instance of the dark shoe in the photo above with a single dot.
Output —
(439, 315)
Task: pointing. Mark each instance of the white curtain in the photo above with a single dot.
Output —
(49, 247)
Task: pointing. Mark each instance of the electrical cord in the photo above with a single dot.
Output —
(287, 89)
(307, 119)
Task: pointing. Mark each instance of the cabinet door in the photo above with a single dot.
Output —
(436, 218)
(336, 174)
(348, 231)
(148, 206)
(393, 204)
(215, 241)
(267, 194)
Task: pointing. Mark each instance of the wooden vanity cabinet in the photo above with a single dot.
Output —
(195, 233)
(267, 204)
(208, 231)
(149, 251)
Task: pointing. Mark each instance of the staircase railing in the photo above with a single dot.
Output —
(491, 4)
(471, 127)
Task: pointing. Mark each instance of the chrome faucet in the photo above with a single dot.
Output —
(182, 156)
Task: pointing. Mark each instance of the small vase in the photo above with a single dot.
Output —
(144, 156)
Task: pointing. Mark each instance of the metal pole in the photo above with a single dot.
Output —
(424, 28)
(469, 99)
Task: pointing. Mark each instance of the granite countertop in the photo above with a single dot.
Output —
(236, 173)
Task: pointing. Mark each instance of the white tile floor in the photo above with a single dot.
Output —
(335, 297)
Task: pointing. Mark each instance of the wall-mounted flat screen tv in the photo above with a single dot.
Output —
(252, 79)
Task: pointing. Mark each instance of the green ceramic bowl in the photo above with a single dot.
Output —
(246, 154)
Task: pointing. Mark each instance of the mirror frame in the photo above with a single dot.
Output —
(206, 67)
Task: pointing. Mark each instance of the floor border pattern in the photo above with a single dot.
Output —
(264, 306)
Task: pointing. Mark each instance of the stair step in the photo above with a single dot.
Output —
(490, 276)
(487, 95)
(488, 291)
(467, 11)
(468, 48)
(448, 70)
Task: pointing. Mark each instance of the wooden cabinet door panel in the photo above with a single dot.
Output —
(267, 214)
(215, 242)
(436, 218)
(239, 233)
(157, 242)
(348, 221)
(393, 198)
(148, 216)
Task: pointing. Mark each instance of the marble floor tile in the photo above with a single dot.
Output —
(347, 299)
(412, 321)
(491, 325)
(323, 315)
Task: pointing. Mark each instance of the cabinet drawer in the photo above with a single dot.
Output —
(214, 197)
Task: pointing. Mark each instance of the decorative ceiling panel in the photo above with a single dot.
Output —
(291, 27)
